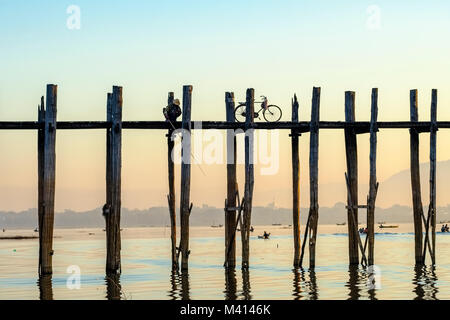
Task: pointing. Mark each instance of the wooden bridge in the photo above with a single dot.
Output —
(238, 211)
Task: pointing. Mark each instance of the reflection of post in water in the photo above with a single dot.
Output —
(358, 280)
(302, 285)
(45, 287)
(185, 285)
(230, 284)
(298, 279)
(371, 282)
(173, 282)
(425, 283)
(372, 294)
(353, 282)
(113, 287)
(246, 290)
(313, 292)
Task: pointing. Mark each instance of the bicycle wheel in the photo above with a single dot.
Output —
(239, 113)
(272, 114)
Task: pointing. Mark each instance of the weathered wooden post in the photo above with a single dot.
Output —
(432, 209)
(185, 207)
(47, 187)
(373, 184)
(41, 142)
(295, 184)
(171, 196)
(230, 207)
(249, 176)
(415, 179)
(352, 172)
(112, 209)
(314, 176)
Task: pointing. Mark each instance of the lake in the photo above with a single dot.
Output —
(146, 267)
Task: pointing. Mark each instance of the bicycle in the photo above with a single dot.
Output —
(271, 113)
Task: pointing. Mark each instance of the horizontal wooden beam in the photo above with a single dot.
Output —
(356, 207)
(304, 126)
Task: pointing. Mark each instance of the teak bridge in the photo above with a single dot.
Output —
(238, 211)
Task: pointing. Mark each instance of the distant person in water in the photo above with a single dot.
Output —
(446, 228)
(266, 235)
(443, 228)
(172, 111)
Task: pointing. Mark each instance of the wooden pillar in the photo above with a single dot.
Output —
(415, 179)
(112, 209)
(47, 180)
(314, 176)
(295, 185)
(230, 214)
(41, 141)
(352, 172)
(108, 154)
(249, 176)
(171, 197)
(185, 208)
(373, 184)
(432, 209)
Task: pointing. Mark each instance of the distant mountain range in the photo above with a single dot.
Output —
(397, 188)
(205, 216)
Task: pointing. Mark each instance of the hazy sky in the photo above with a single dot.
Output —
(152, 47)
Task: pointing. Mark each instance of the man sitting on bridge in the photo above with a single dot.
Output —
(172, 111)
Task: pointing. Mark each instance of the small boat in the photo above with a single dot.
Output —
(387, 226)
(219, 226)
(265, 236)
(341, 224)
(363, 230)
(276, 224)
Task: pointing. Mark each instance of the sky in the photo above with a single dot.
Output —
(153, 47)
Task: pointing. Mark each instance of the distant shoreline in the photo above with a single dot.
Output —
(19, 238)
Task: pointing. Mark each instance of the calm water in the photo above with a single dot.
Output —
(146, 268)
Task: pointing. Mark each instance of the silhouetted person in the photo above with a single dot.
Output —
(172, 111)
